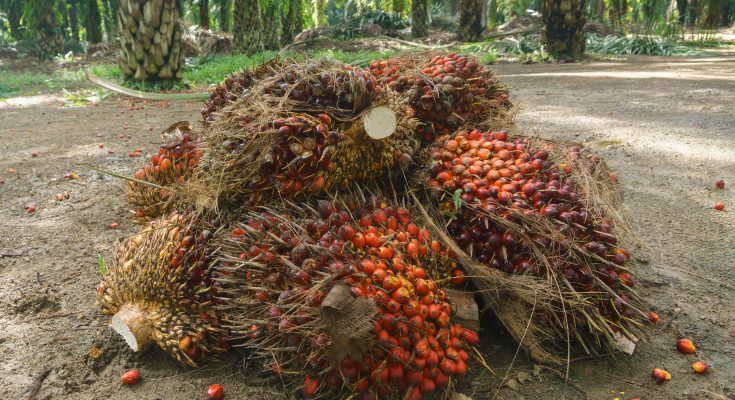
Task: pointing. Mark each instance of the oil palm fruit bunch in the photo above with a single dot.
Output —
(290, 143)
(159, 287)
(394, 335)
(325, 83)
(236, 86)
(165, 173)
(446, 91)
(514, 209)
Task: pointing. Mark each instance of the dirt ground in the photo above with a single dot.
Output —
(666, 124)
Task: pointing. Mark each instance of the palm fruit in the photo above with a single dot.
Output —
(159, 288)
(514, 209)
(168, 169)
(446, 91)
(375, 255)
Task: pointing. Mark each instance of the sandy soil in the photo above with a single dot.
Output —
(667, 126)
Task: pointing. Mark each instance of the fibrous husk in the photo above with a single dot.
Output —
(536, 227)
(158, 287)
(302, 130)
(296, 320)
(160, 185)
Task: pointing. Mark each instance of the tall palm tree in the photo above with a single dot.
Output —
(470, 20)
(247, 34)
(150, 39)
(224, 15)
(420, 18)
(293, 20)
(50, 38)
(93, 21)
(204, 13)
(564, 33)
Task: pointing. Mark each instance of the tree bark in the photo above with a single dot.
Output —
(73, 20)
(271, 24)
(681, 7)
(470, 20)
(62, 10)
(204, 14)
(320, 18)
(93, 21)
(224, 15)
(564, 34)
(293, 21)
(248, 31)
(50, 40)
(420, 18)
(15, 13)
(149, 34)
(110, 20)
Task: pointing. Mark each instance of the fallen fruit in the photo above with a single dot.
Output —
(114, 225)
(131, 377)
(653, 317)
(72, 175)
(31, 208)
(700, 367)
(11, 170)
(685, 346)
(719, 206)
(215, 392)
(101, 145)
(720, 184)
(34, 154)
(661, 375)
(59, 197)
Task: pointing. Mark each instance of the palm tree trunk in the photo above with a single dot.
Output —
(224, 15)
(398, 6)
(15, 13)
(564, 33)
(150, 39)
(320, 19)
(110, 20)
(272, 26)
(470, 20)
(61, 9)
(420, 18)
(204, 14)
(248, 31)
(74, 20)
(93, 21)
(293, 21)
(50, 39)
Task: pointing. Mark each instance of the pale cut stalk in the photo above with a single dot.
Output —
(133, 325)
(380, 123)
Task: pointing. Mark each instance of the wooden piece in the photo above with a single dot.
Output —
(467, 312)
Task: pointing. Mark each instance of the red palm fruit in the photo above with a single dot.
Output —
(215, 392)
(415, 394)
(720, 184)
(447, 366)
(311, 385)
(427, 386)
(359, 241)
(385, 252)
(660, 375)
(685, 346)
(470, 337)
(653, 317)
(395, 371)
(461, 367)
(372, 240)
(131, 377)
(441, 379)
(700, 367)
(402, 295)
(362, 385)
(719, 206)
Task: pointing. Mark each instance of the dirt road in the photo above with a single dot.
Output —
(667, 126)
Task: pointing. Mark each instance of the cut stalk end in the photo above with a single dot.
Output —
(380, 122)
(133, 325)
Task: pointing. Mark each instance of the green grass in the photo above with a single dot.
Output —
(15, 83)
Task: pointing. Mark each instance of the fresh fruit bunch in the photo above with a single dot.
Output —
(260, 153)
(402, 342)
(159, 288)
(514, 209)
(237, 86)
(172, 165)
(324, 83)
(446, 90)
